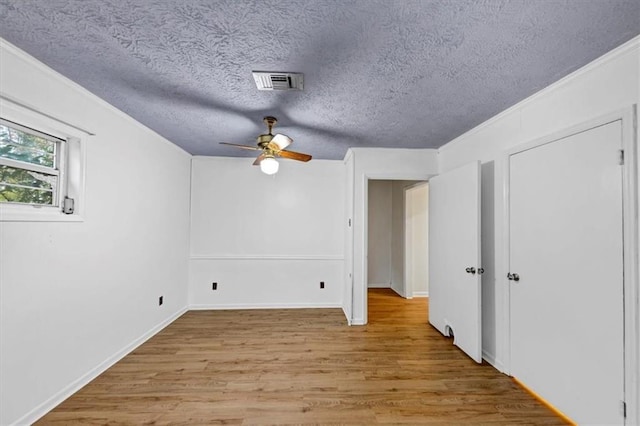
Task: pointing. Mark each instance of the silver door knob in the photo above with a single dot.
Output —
(470, 270)
(513, 277)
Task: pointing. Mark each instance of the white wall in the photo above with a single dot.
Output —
(379, 239)
(75, 297)
(606, 85)
(267, 241)
(379, 163)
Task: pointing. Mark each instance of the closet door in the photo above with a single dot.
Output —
(454, 257)
(566, 266)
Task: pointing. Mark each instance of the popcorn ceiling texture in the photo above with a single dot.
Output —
(386, 73)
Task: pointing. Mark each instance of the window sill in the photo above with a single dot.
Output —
(13, 213)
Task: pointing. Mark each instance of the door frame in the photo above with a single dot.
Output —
(408, 284)
(347, 302)
(366, 177)
(631, 230)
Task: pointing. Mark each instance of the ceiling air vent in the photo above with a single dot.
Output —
(268, 80)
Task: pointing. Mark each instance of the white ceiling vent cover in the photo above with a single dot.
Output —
(269, 80)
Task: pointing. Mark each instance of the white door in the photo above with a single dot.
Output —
(566, 248)
(454, 257)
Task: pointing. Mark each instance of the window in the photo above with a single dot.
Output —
(42, 165)
(31, 166)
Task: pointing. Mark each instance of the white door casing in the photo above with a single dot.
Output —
(416, 253)
(454, 248)
(348, 250)
(566, 246)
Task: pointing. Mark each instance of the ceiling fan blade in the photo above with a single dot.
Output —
(294, 155)
(252, 148)
(259, 159)
(280, 142)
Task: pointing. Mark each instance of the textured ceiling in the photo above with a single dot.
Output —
(412, 74)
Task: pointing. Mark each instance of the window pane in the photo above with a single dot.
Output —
(25, 186)
(16, 194)
(22, 146)
(28, 178)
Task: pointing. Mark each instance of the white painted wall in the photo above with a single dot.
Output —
(75, 297)
(379, 240)
(379, 163)
(267, 241)
(608, 84)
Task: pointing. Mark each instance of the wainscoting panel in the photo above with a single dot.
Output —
(258, 282)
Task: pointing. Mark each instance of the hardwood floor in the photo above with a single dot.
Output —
(267, 367)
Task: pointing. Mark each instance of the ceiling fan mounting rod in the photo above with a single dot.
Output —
(263, 140)
(270, 122)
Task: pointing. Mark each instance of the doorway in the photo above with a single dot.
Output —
(396, 241)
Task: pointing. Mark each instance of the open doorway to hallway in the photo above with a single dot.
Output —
(397, 238)
(388, 307)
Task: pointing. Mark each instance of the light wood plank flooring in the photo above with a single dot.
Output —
(268, 367)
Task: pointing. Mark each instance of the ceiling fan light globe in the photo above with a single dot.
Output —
(269, 166)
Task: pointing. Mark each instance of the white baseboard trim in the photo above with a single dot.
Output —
(76, 385)
(399, 292)
(491, 359)
(358, 321)
(378, 285)
(420, 294)
(230, 306)
(344, 311)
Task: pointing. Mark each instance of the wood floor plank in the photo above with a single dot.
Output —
(267, 367)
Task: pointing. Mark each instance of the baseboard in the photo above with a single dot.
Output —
(491, 359)
(379, 285)
(76, 385)
(358, 321)
(344, 311)
(398, 292)
(201, 307)
(549, 405)
(420, 294)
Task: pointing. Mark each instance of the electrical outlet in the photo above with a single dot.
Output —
(160, 300)
(214, 286)
(321, 284)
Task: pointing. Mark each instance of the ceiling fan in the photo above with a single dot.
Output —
(272, 146)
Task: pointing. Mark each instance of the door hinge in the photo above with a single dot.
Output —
(621, 161)
(623, 409)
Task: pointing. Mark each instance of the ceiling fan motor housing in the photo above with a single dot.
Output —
(263, 140)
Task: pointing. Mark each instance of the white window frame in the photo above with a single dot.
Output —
(70, 162)
(59, 163)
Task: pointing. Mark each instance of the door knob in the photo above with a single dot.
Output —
(480, 271)
(513, 277)
(470, 270)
